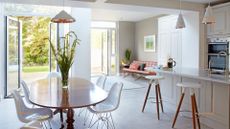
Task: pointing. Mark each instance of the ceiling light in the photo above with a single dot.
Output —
(208, 16)
(180, 20)
(63, 17)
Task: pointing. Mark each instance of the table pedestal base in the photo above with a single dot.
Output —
(70, 119)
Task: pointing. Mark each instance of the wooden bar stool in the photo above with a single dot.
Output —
(195, 114)
(154, 80)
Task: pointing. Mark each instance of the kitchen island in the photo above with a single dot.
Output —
(213, 98)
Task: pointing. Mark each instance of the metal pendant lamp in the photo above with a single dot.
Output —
(63, 17)
(208, 16)
(180, 20)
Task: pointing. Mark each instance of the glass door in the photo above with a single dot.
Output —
(53, 38)
(13, 39)
(103, 51)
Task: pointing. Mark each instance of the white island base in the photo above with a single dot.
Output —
(213, 99)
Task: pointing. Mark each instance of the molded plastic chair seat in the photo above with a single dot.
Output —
(106, 107)
(26, 91)
(189, 85)
(26, 114)
(102, 108)
(37, 114)
(156, 77)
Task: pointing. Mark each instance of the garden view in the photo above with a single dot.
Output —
(35, 50)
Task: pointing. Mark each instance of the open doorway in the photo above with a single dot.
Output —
(103, 48)
(29, 55)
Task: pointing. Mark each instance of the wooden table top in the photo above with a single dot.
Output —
(80, 93)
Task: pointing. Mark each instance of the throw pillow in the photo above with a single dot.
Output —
(134, 66)
(142, 67)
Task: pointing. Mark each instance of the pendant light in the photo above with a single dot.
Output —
(208, 16)
(180, 20)
(63, 17)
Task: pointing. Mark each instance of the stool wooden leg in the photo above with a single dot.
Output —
(178, 110)
(146, 96)
(161, 102)
(157, 102)
(193, 112)
(197, 113)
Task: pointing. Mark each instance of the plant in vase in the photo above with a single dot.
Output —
(64, 54)
(127, 59)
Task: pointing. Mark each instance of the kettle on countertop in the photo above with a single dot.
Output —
(171, 63)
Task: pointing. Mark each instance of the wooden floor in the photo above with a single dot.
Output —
(128, 116)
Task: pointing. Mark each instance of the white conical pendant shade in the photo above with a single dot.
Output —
(208, 16)
(63, 17)
(180, 22)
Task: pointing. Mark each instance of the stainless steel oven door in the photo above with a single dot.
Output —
(218, 62)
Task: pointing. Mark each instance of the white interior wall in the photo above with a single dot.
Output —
(126, 33)
(144, 28)
(81, 66)
(2, 51)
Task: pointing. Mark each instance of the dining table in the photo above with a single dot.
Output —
(49, 93)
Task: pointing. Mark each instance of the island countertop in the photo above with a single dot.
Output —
(196, 74)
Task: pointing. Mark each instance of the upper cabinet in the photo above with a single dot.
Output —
(228, 20)
(221, 27)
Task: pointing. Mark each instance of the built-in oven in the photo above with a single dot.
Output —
(218, 54)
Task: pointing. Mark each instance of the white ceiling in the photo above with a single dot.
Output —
(120, 15)
(203, 1)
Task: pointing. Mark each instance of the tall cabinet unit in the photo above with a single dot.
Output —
(169, 41)
(222, 26)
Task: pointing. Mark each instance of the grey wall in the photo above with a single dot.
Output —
(144, 28)
(126, 37)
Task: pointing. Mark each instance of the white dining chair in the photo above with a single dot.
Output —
(103, 110)
(54, 74)
(26, 92)
(27, 115)
(101, 83)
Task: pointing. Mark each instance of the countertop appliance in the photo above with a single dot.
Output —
(218, 54)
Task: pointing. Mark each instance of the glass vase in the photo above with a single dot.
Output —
(65, 79)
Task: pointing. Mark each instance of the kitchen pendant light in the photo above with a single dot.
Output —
(208, 16)
(63, 17)
(180, 20)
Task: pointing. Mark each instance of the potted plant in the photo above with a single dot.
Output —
(126, 61)
(64, 54)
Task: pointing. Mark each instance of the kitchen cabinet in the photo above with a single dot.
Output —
(228, 20)
(220, 27)
(169, 40)
(180, 44)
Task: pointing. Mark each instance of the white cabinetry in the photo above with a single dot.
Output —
(228, 20)
(221, 27)
(169, 40)
(180, 44)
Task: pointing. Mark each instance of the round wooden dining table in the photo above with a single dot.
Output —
(80, 93)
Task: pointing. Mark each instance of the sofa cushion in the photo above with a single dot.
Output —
(134, 66)
(142, 67)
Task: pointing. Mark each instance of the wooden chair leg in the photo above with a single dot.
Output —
(146, 96)
(193, 112)
(161, 102)
(178, 110)
(197, 113)
(157, 102)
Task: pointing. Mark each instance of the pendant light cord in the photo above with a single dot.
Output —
(180, 6)
(63, 4)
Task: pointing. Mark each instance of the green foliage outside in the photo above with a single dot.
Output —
(31, 69)
(35, 50)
